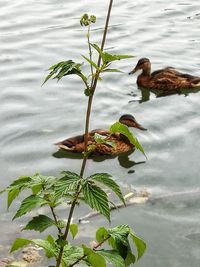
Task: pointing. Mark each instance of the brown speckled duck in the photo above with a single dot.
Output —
(166, 79)
(122, 144)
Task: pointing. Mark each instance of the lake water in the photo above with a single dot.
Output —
(36, 34)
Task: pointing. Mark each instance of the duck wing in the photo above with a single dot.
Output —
(166, 71)
(72, 141)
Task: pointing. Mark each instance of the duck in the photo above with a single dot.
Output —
(167, 79)
(120, 141)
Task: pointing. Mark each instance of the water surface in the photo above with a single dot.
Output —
(36, 34)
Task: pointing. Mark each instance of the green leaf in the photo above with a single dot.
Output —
(94, 258)
(91, 62)
(101, 234)
(16, 187)
(67, 183)
(139, 243)
(107, 58)
(36, 189)
(98, 49)
(123, 129)
(65, 68)
(113, 257)
(40, 182)
(120, 233)
(12, 194)
(50, 248)
(61, 224)
(112, 70)
(71, 254)
(21, 181)
(105, 179)
(130, 258)
(100, 139)
(28, 204)
(39, 223)
(96, 198)
(19, 243)
(73, 230)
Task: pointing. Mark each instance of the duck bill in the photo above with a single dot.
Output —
(139, 126)
(133, 71)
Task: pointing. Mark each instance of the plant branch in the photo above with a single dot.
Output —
(94, 248)
(90, 52)
(87, 123)
(56, 220)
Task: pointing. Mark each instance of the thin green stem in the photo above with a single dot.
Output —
(87, 123)
(90, 53)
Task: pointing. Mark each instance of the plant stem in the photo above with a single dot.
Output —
(90, 53)
(56, 220)
(87, 123)
(84, 256)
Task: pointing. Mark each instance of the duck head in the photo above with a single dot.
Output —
(143, 64)
(130, 121)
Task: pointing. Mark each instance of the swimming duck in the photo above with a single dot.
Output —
(121, 142)
(166, 79)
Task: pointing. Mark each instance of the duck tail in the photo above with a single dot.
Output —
(65, 147)
(196, 82)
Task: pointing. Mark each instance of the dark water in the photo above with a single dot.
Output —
(36, 34)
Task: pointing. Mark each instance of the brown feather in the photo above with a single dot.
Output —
(166, 79)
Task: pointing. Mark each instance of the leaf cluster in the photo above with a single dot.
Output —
(118, 238)
(52, 191)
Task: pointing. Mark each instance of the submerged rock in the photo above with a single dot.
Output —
(30, 255)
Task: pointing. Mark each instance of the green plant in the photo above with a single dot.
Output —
(74, 188)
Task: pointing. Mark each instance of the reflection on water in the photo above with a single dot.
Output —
(146, 93)
(123, 158)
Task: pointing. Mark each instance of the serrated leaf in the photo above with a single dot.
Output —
(123, 129)
(94, 258)
(39, 182)
(101, 234)
(105, 179)
(20, 181)
(65, 68)
(96, 198)
(139, 243)
(39, 223)
(113, 257)
(120, 233)
(19, 243)
(67, 183)
(73, 230)
(71, 254)
(28, 204)
(51, 250)
(91, 62)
